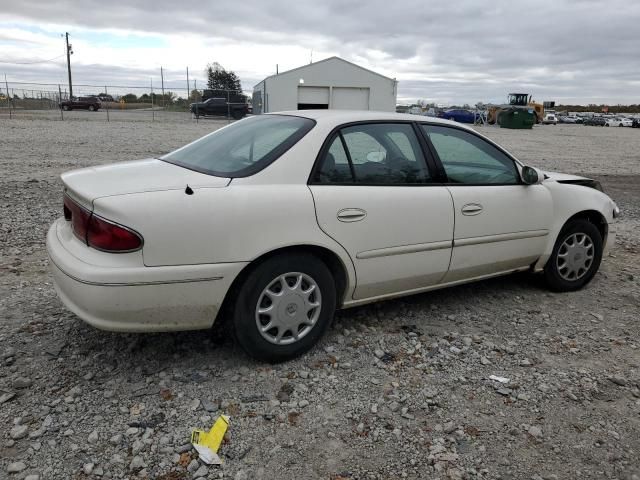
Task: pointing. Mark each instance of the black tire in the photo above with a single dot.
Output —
(246, 301)
(66, 108)
(92, 108)
(555, 281)
(237, 114)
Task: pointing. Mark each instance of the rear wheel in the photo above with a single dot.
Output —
(92, 108)
(575, 258)
(284, 306)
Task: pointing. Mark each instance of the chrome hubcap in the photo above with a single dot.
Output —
(575, 256)
(288, 308)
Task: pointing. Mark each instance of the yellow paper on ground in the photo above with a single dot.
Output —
(208, 443)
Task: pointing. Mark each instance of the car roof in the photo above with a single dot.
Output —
(338, 117)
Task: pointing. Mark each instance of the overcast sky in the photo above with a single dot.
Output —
(570, 51)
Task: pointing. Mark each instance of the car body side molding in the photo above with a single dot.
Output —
(402, 249)
(501, 237)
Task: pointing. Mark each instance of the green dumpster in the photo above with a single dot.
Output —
(517, 118)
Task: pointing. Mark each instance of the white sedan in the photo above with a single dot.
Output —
(618, 122)
(277, 220)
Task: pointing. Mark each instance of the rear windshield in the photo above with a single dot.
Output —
(242, 148)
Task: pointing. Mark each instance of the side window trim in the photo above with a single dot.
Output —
(440, 165)
(436, 170)
(428, 156)
(347, 153)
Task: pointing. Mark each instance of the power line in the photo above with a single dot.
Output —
(33, 63)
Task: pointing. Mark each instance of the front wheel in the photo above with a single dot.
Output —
(575, 258)
(284, 306)
(92, 108)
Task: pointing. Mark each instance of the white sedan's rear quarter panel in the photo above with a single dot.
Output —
(218, 225)
(118, 293)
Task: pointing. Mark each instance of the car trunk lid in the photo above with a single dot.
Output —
(150, 175)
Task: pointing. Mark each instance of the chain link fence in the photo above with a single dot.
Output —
(115, 102)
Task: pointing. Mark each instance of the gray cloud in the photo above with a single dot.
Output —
(579, 51)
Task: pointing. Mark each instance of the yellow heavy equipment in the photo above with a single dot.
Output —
(518, 102)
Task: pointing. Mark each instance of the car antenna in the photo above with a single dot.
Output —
(188, 190)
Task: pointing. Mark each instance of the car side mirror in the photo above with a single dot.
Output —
(532, 176)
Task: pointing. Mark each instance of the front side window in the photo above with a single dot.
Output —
(468, 159)
(242, 148)
(374, 154)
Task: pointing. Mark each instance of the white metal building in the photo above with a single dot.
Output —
(330, 83)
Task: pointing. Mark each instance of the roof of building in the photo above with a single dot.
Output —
(322, 61)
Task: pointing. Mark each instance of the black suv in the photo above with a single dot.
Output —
(219, 107)
(85, 103)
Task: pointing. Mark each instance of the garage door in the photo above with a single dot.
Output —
(350, 98)
(313, 97)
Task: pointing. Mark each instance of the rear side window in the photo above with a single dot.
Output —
(242, 148)
(374, 154)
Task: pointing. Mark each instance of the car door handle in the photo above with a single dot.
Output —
(351, 214)
(472, 209)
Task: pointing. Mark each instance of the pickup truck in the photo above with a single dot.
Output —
(219, 107)
(86, 103)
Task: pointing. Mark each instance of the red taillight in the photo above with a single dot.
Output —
(98, 232)
(104, 235)
(78, 216)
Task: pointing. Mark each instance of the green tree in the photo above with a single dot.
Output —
(130, 98)
(220, 79)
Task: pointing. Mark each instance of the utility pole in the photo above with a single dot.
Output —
(162, 82)
(69, 52)
(188, 87)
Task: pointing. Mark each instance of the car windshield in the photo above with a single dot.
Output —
(242, 148)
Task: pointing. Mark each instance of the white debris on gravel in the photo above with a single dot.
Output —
(398, 389)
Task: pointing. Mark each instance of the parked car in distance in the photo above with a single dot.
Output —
(105, 97)
(91, 103)
(595, 121)
(567, 119)
(219, 107)
(277, 220)
(549, 119)
(635, 123)
(458, 115)
(618, 122)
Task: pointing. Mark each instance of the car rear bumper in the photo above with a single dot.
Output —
(141, 299)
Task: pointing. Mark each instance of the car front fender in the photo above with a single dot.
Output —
(570, 200)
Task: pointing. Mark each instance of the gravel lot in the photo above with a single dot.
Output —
(399, 389)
